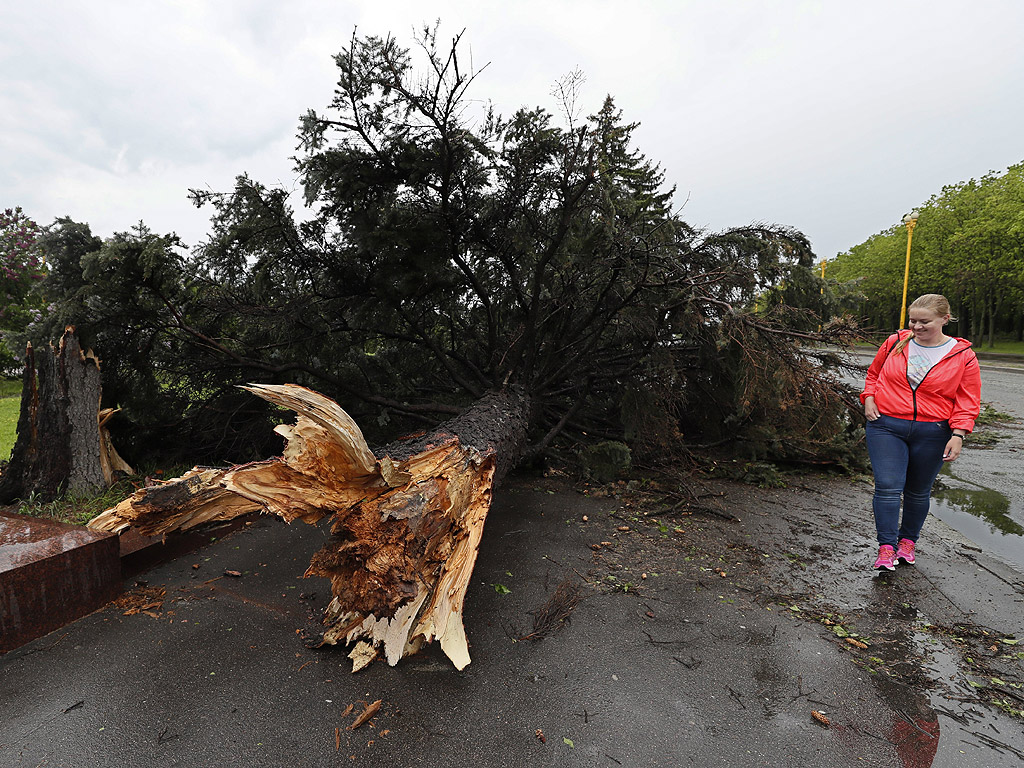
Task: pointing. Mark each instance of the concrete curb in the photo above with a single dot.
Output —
(53, 573)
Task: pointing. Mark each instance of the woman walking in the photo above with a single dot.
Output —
(921, 397)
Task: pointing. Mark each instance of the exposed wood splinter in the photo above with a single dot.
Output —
(407, 522)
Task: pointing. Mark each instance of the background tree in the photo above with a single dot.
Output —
(968, 245)
(21, 268)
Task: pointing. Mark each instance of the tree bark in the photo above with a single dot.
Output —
(62, 442)
(407, 520)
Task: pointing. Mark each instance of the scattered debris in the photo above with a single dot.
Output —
(556, 612)
(142, 599)
(236, 574)
(364, 717)
(821, 718)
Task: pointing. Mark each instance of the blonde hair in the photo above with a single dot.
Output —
(933, 302)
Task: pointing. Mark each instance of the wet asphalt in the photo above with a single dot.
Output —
(719, 657)
(982, 493)
(685, 667)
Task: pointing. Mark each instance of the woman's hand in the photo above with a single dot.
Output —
(871, 410)
(953, 447)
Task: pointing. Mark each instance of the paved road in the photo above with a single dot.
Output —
(717, 658)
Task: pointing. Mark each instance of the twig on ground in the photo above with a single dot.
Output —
(556, 612)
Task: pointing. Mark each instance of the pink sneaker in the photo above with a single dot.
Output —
(905, 552)
(886, 558)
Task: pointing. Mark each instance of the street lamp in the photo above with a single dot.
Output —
(822, 291)
(909, 221)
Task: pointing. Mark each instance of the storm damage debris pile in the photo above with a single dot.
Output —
(407, 523)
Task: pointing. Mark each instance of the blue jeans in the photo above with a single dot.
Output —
(905, 456)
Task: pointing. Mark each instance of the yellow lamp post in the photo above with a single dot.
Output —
(909, 221)
(822, 290)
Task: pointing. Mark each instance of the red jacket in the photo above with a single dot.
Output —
(950, 390)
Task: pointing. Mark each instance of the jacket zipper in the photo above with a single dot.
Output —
(913, 389)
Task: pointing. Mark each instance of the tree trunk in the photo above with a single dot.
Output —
(62, 442)
(407, 521)
(992, 325)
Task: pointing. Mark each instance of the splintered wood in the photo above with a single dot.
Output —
(405, 533)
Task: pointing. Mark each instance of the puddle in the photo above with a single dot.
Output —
(983, 515)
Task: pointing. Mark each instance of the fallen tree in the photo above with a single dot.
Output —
(447, 253)
(407, 520)
(531, 272)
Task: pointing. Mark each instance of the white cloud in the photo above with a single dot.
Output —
(831, 117)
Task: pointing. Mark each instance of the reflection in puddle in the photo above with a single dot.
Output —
(913, 724)
(982, 514)
(985, 503)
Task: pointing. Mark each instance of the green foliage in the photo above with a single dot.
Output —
(968, 245)
(990, 415)
(78, 509)
(139, 301)
(760, 473)
(448, 251)
(606, 461)
(21, 268)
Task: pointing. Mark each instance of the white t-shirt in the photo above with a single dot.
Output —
(920, 359)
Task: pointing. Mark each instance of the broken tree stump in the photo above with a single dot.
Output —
(407, 520)
(62, 443)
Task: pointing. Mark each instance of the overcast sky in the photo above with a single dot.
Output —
(831, 116)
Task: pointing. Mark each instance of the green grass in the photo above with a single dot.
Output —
(10, 388)
(10, 405)
(79, 509)
(1006, 347)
